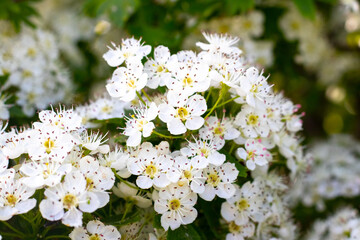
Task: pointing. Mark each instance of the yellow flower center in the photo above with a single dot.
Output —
(174, 204)
(219, 130)
(248, 24)
(213, 179)
(187, 174)
(151, 170)
(11, 200)
(131, 83)
(89, 183)
(182, 113)
(204, 152)
(106, 109)
(253, 119)
(26, 74)
(242, 204)
(31, 52)
(70, 201)
(94, 237)
(141, 123)
(160, 68)
(49, 145)
(188, 82)
(233, 228)
(295, 25)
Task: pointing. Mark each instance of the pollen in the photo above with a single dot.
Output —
(174, 204)
(151, 170)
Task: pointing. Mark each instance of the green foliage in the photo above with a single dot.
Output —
(18, 12)
(239, 6)
(184, 232)
(307, 8)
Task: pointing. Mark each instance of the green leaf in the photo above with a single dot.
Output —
(307, 8)
(187, 232)
(235, 6)
(157, 221)
(212, 217)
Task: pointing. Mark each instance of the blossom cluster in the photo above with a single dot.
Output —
(315, 52)
(334, 172)
(344, 224)
(199, 168)
(181, 141)
(258, 210)
(30, 62)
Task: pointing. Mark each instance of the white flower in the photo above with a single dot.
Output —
(131, 49)
(98, 179)
(254, 154)
(180, 109)
(247, 203)
(130, 194)
(140, 124)
(219, 44)
(240, 232)
(219, 181)
(95, 230)
(150, 168)
(14, 196)
(94, 142)
(189, 174)
(43, 172)
(50, 142)
(126, 81)
(66, 120)
(203, 152)
(72, 196)
(254, 88)
(219, 129)
(176, 206)
(189, 77)
(158, 68)
(117, 160)
(252, 122)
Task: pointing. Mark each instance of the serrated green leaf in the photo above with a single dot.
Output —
(307, 8)
(183, 232)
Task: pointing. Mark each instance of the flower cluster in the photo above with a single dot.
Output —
(199, 167)
(30, 62)
(315, 51)
(57, 154)
(258, 210)
(334, 172)
(344, 224)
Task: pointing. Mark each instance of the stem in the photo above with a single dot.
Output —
(13, 229)
(57, 236)
(217, 101)
(33, 226)
(141, 99)
(128, 184)
(166, 136)
(226, 102)
(146, 95)
(232, 147)
(208, 96)
(127, 207)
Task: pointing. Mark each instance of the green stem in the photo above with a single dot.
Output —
(233, 144)
(127, 207)
(226, 102)
(57, 236)
(13, 229)
(208, 96)
(33, 226)
(11, 235)
(166, 136)
(141, 99)
(146, 95)
(126, 182)
(217, 101)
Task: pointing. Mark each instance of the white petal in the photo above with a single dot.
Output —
(134, 140)
(144, 182)
(194, 123)
(176, 127)
(72, 218)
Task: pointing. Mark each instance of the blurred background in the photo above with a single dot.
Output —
(309, 48)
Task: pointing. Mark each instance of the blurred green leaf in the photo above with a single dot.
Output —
(235, 6)
(183, 232)
(307, 8)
